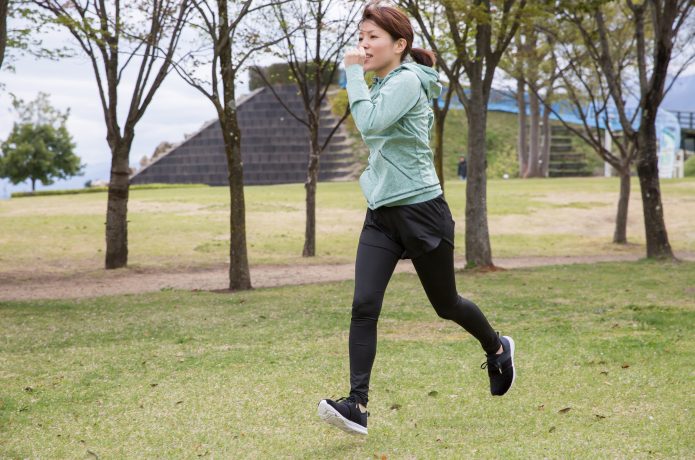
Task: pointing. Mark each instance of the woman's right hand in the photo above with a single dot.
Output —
(355, 56)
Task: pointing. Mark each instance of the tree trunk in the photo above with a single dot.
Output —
(534, 128)
(33, 185)
(547, 139)
(478, 251)
(239, 276)
(522, 146)
(439, 124)
(310, 187)
(439, 145)
(4, 11)
(620, 234)
(117, 207)
(658, 246)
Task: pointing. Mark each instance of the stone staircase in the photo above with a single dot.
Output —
(564, 162)
(274, 146)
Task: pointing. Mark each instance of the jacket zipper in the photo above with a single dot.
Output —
(394, 165)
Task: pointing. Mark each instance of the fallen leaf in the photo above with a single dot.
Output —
(395, 406)
(153, 384)
(604, 372)
(433, 393)
(625, 365)
(552, 428)
(565, 410)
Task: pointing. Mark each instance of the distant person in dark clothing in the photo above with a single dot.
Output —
(462, 168)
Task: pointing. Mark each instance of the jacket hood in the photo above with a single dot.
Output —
(429, 78)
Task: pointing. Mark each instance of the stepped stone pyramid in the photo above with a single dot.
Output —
(274, 146)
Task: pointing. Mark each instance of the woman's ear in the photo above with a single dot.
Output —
(401, 43)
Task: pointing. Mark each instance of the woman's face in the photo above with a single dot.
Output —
(382, 52)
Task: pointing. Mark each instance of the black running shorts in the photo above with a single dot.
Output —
(409, 230)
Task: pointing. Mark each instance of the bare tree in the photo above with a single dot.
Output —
(431, 12)
(227, 38)
(586, 97)
(531, 64)
(480, 32)
(146, 34)
(313, 56)
(655, 27)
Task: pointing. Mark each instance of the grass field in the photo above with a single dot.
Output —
(604, 357)
(189, 227)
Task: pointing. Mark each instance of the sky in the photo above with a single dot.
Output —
(177, 109)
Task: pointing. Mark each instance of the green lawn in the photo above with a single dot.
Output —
(189, 227)
(178, 374)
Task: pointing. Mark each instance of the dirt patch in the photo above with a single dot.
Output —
(96, 283)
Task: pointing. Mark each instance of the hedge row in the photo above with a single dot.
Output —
(103, 189)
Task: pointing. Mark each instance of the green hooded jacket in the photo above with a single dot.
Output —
(395, 118)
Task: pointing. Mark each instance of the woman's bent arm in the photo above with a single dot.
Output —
(398, 95)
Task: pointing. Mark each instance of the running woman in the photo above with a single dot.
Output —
(407, 216)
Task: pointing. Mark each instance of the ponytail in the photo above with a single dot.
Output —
(423, 56)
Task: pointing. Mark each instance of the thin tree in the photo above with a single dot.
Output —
(586, 96)
(212, 66)
(313, 55)
(662, 20)
(4, 13)
(431, 12)
(113, 35)
(23, 36)
(481, 31)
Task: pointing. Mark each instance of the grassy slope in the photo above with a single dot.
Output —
(183, 374)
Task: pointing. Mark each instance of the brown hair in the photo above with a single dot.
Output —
(397, 24)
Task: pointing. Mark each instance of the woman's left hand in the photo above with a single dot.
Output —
(355, 56)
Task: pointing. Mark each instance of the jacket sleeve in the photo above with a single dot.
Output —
(398, 95)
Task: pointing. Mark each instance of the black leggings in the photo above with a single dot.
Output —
(373, 269)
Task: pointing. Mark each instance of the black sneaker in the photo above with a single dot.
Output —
(345, 414)
(500, 368)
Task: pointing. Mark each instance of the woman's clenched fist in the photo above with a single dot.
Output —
(355, 56)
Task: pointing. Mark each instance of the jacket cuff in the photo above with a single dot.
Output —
(356, 86)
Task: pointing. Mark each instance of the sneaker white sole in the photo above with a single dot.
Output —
(511, 346)
(332, 416)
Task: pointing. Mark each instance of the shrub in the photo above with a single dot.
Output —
(689, 168)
